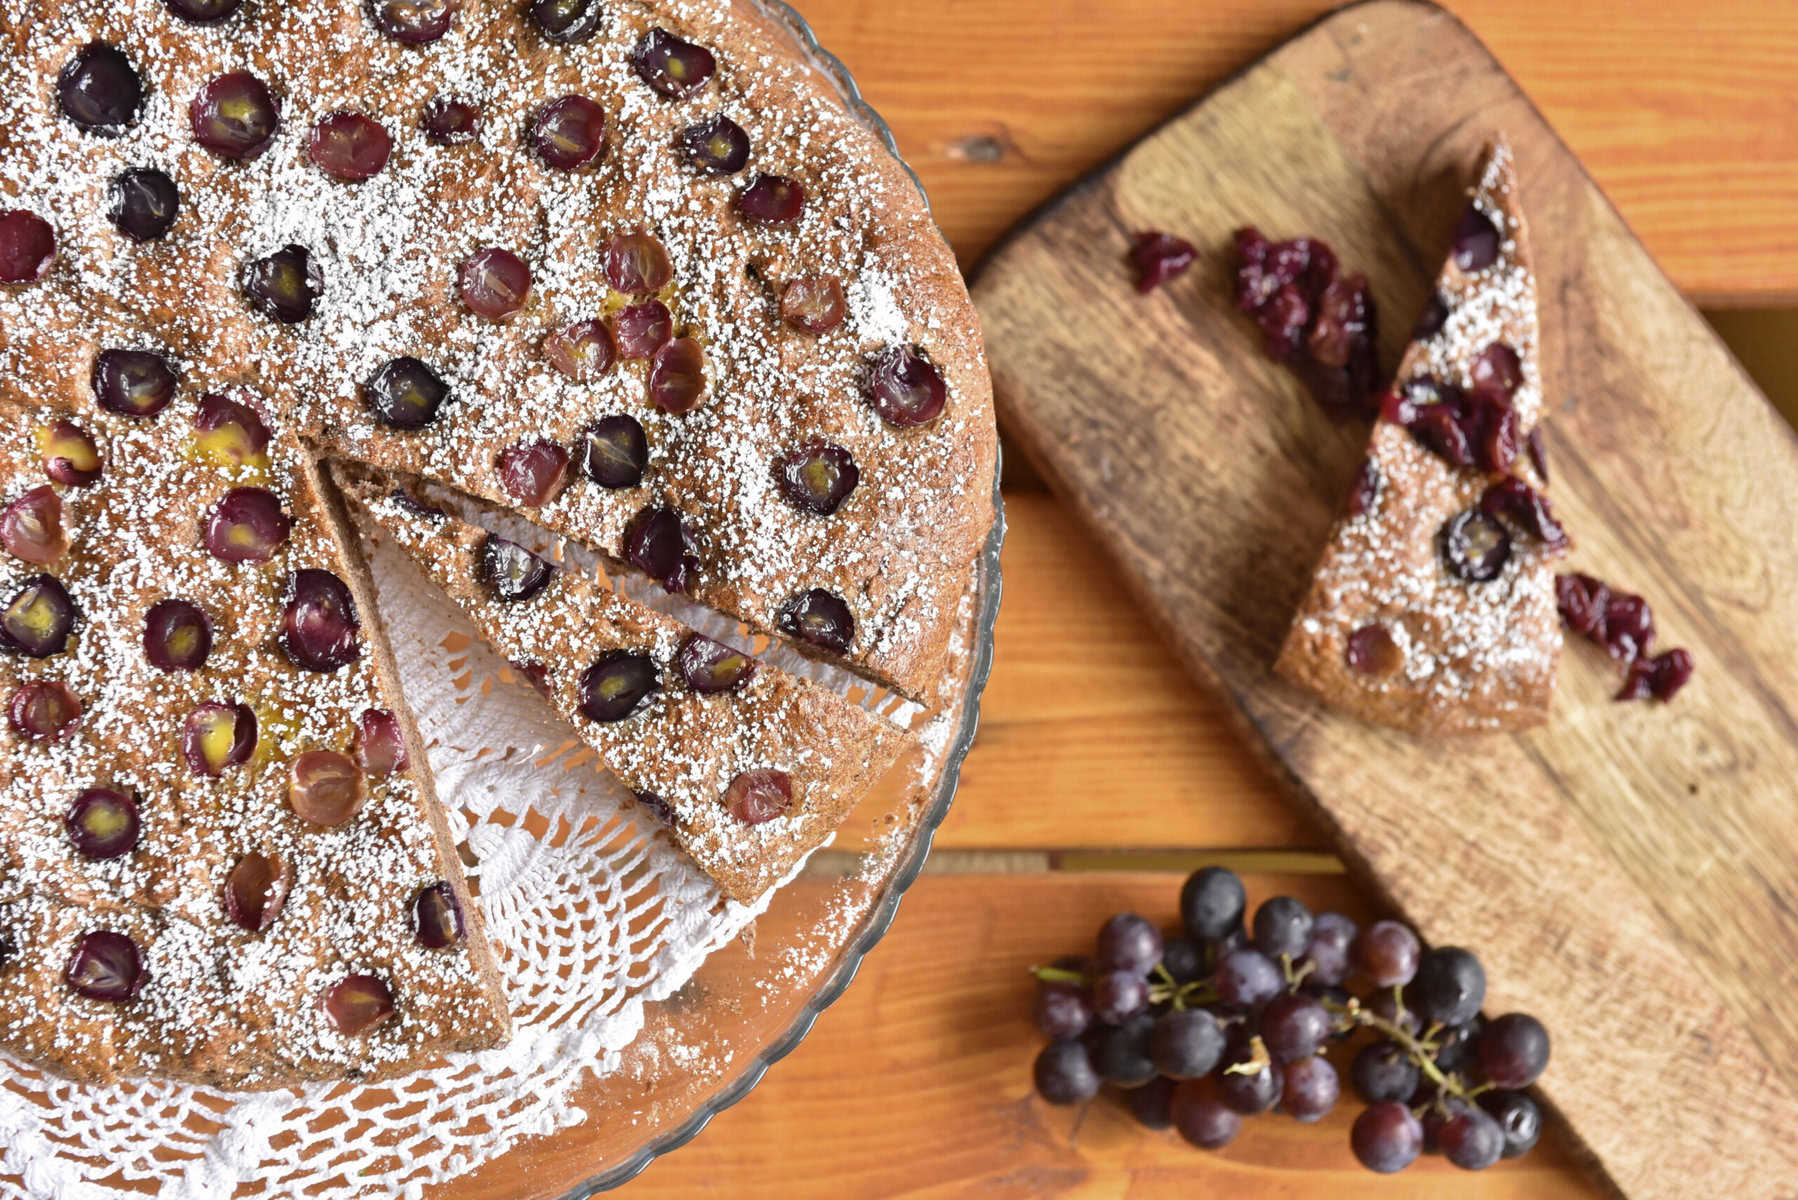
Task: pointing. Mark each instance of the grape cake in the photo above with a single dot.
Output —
(629, 270)
(1433, 607)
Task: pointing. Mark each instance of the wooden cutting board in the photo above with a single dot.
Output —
(1629, 874)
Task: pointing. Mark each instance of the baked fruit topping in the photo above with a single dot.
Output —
(437, 917)
(228, 433)
(27, 246)
(660, 546)
(1475, 546)
(906, 387)
(1476, 241)
(1373, 651)
(569, 133)
(380, 746)
(99, 90)
(319, 627)
(716, 145)
(637, 264)
(819, 618)
(1659, 677)
(203, 12)
(613, 452)
(177, 635)
(673, 67)
(772, 200)
(757, 797)
(132, 383)
(405, 394)
(1623, 624)
(102, 824)
(677, 376)
(583, 351)
(817, 476)
(533, 472)
(234, 115)
(711, 667)
(813, 303)
(1159, 258)
(357, 1004)
(284, 286)
(325, 787)
(1311, 317)
(642, 329)
(70, 455)
(105, 966)
(1523, 506)
(514, 573)
(31, 527)
(494, 283)
(451, 120)
(218, 736)
(350, 147)
(256, 890)
(616, 686)
(247, 525)
(567, 20)
(1364, 493)
(414, 21)
(44, 710)
(37, 618)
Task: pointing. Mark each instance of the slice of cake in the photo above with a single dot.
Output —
(220, 860)
(1433, 608)
(749, 767)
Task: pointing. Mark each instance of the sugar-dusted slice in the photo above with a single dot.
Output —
(750, 768)
(221, 859)
(1433, 608)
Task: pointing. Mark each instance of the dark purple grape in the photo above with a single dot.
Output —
(1212, 902)
(533, 472)
(1386, 1137)
(660, 546)
(451, 120)
(514, 573)
(31, 527)
(142, 203)
(673, 67)
(1064, 1073)
(229, 433)
(906, 388)
(380, 743)
(1128, 942)
(772, 200)
(567, 21)
(1159, 258)
(102, 823)
(1383, 1070)
(99, 90)
(1328, 953)
(569, 133)
(1538, 452)
(105, 966)
(350, 147)
(583, 351)
(1386, 952)
(1472, 1140)
(203, 12)
(27, 246)
(1248, 979)
(1119, 995)
(1121, 1052)
(1282, 927)
(44, 711)
(1388, 1005)
(1309, 1089)
(677, 376)
(613, 452)
(177, 635)
(756, 797)
(711, 667)
(494, 283)
(437, 917)
(414, 21)
(246, 525)
(1659, 678)
(716, 145)
(1476, 241)
(1517, 502)
(817, 476)
(1247, 1091)
(643, 329)
(285, 286)
(1183, 959)
(819, 618)
(1062, 1010)
(70, 454)
(1518, 1119)
(234, 116)
(1373, 651)
(1295, 1027)
(38, 617)
(1186, 1044)
(1449, 988)
(325, 788)
(405, 394)
(1475, 547)
(132, 383)
(1513, 1051)
(617, 685)
(813, 303)
(256, 890)
(637, 264)
(1152, 1104)
(1202, 1117)
(217, 736)
(319, 627)
(358, 1004)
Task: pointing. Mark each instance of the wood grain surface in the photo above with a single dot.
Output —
(1628, 869)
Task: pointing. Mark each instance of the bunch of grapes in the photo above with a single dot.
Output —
(1220, 1022)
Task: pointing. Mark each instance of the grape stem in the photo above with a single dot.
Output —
(1422, 1051)
(1059, 975)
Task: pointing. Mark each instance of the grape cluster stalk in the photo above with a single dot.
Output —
(1224, 1019)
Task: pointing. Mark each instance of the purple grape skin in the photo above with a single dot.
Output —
(1386, 953)
(1127, 942)
(1513, 1051)
(1247, 1092)
(1309, 1089)
(1386, 1138)
(1212, 902)
(1186, 1043)
(1449, 987)
(1518, 1118)
(1383, 1071)
(1472, 1140)
(1282, 926)
(1458, 1046)
(1295, 1027)
(1121, 1052)
(1119, 995)
(1152, 1104)
(1202, 1117)
(1248, 979)
(1183, 959)
(1064, 1073)
(1062, 1010)
(1328, 952)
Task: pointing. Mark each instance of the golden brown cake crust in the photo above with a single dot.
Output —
(1475, 656)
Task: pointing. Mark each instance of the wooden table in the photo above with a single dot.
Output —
(1102, 774)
